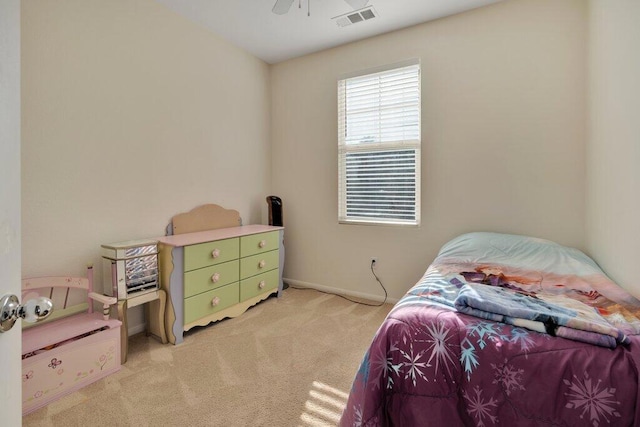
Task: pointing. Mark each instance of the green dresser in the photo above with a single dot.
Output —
(219, 273)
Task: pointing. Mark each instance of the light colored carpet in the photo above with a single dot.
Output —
(285, 362)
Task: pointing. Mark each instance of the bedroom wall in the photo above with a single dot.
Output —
(613, 172)
(503, 130)
(132, 114)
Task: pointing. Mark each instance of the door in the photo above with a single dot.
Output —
(10, 342)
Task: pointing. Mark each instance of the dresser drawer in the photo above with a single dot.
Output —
(256, 264)
(208, 278)
(259, 243)
(210, 302)
(210, 253)
(261, 283)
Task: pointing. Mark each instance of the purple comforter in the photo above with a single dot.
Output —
(429, 365)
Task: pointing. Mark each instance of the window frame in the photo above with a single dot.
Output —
(403, 144)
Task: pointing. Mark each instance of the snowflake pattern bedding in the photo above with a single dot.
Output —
(431, 365)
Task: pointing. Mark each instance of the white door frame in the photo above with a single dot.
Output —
(10, 257)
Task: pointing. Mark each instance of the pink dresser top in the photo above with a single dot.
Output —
(210, 235)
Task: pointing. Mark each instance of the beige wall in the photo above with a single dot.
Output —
(131, 114)
(503, 129)
(613, 165)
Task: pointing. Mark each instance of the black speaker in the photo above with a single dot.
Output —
(275, 211)
(275, 218)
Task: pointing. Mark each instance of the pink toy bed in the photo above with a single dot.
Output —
(504, 330)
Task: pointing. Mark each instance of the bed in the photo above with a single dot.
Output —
(503, 330)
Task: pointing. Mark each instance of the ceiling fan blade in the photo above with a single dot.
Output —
(357, 4)
(282, 6)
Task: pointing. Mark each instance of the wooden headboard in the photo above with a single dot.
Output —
(203, 218)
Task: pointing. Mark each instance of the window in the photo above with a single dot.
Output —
(379, 146)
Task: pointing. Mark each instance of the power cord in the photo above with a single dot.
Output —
(349, 299)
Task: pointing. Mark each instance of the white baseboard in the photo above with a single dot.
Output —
(136, 329)
(136, 320)
(338, 291)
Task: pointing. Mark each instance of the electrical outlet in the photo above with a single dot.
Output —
(374, 261)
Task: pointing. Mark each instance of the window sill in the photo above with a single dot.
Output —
(379, 223)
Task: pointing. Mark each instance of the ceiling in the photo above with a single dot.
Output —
(308, 25)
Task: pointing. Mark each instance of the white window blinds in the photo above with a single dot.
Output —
(379, 147)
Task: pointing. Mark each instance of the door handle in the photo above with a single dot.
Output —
(31, 311)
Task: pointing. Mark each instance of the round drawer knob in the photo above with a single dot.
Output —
(215, 301)
(261, 284)
(215, 277)
(262, 263)
(215, 253)
(262, 243)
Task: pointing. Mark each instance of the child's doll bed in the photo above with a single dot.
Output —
(548, 339)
